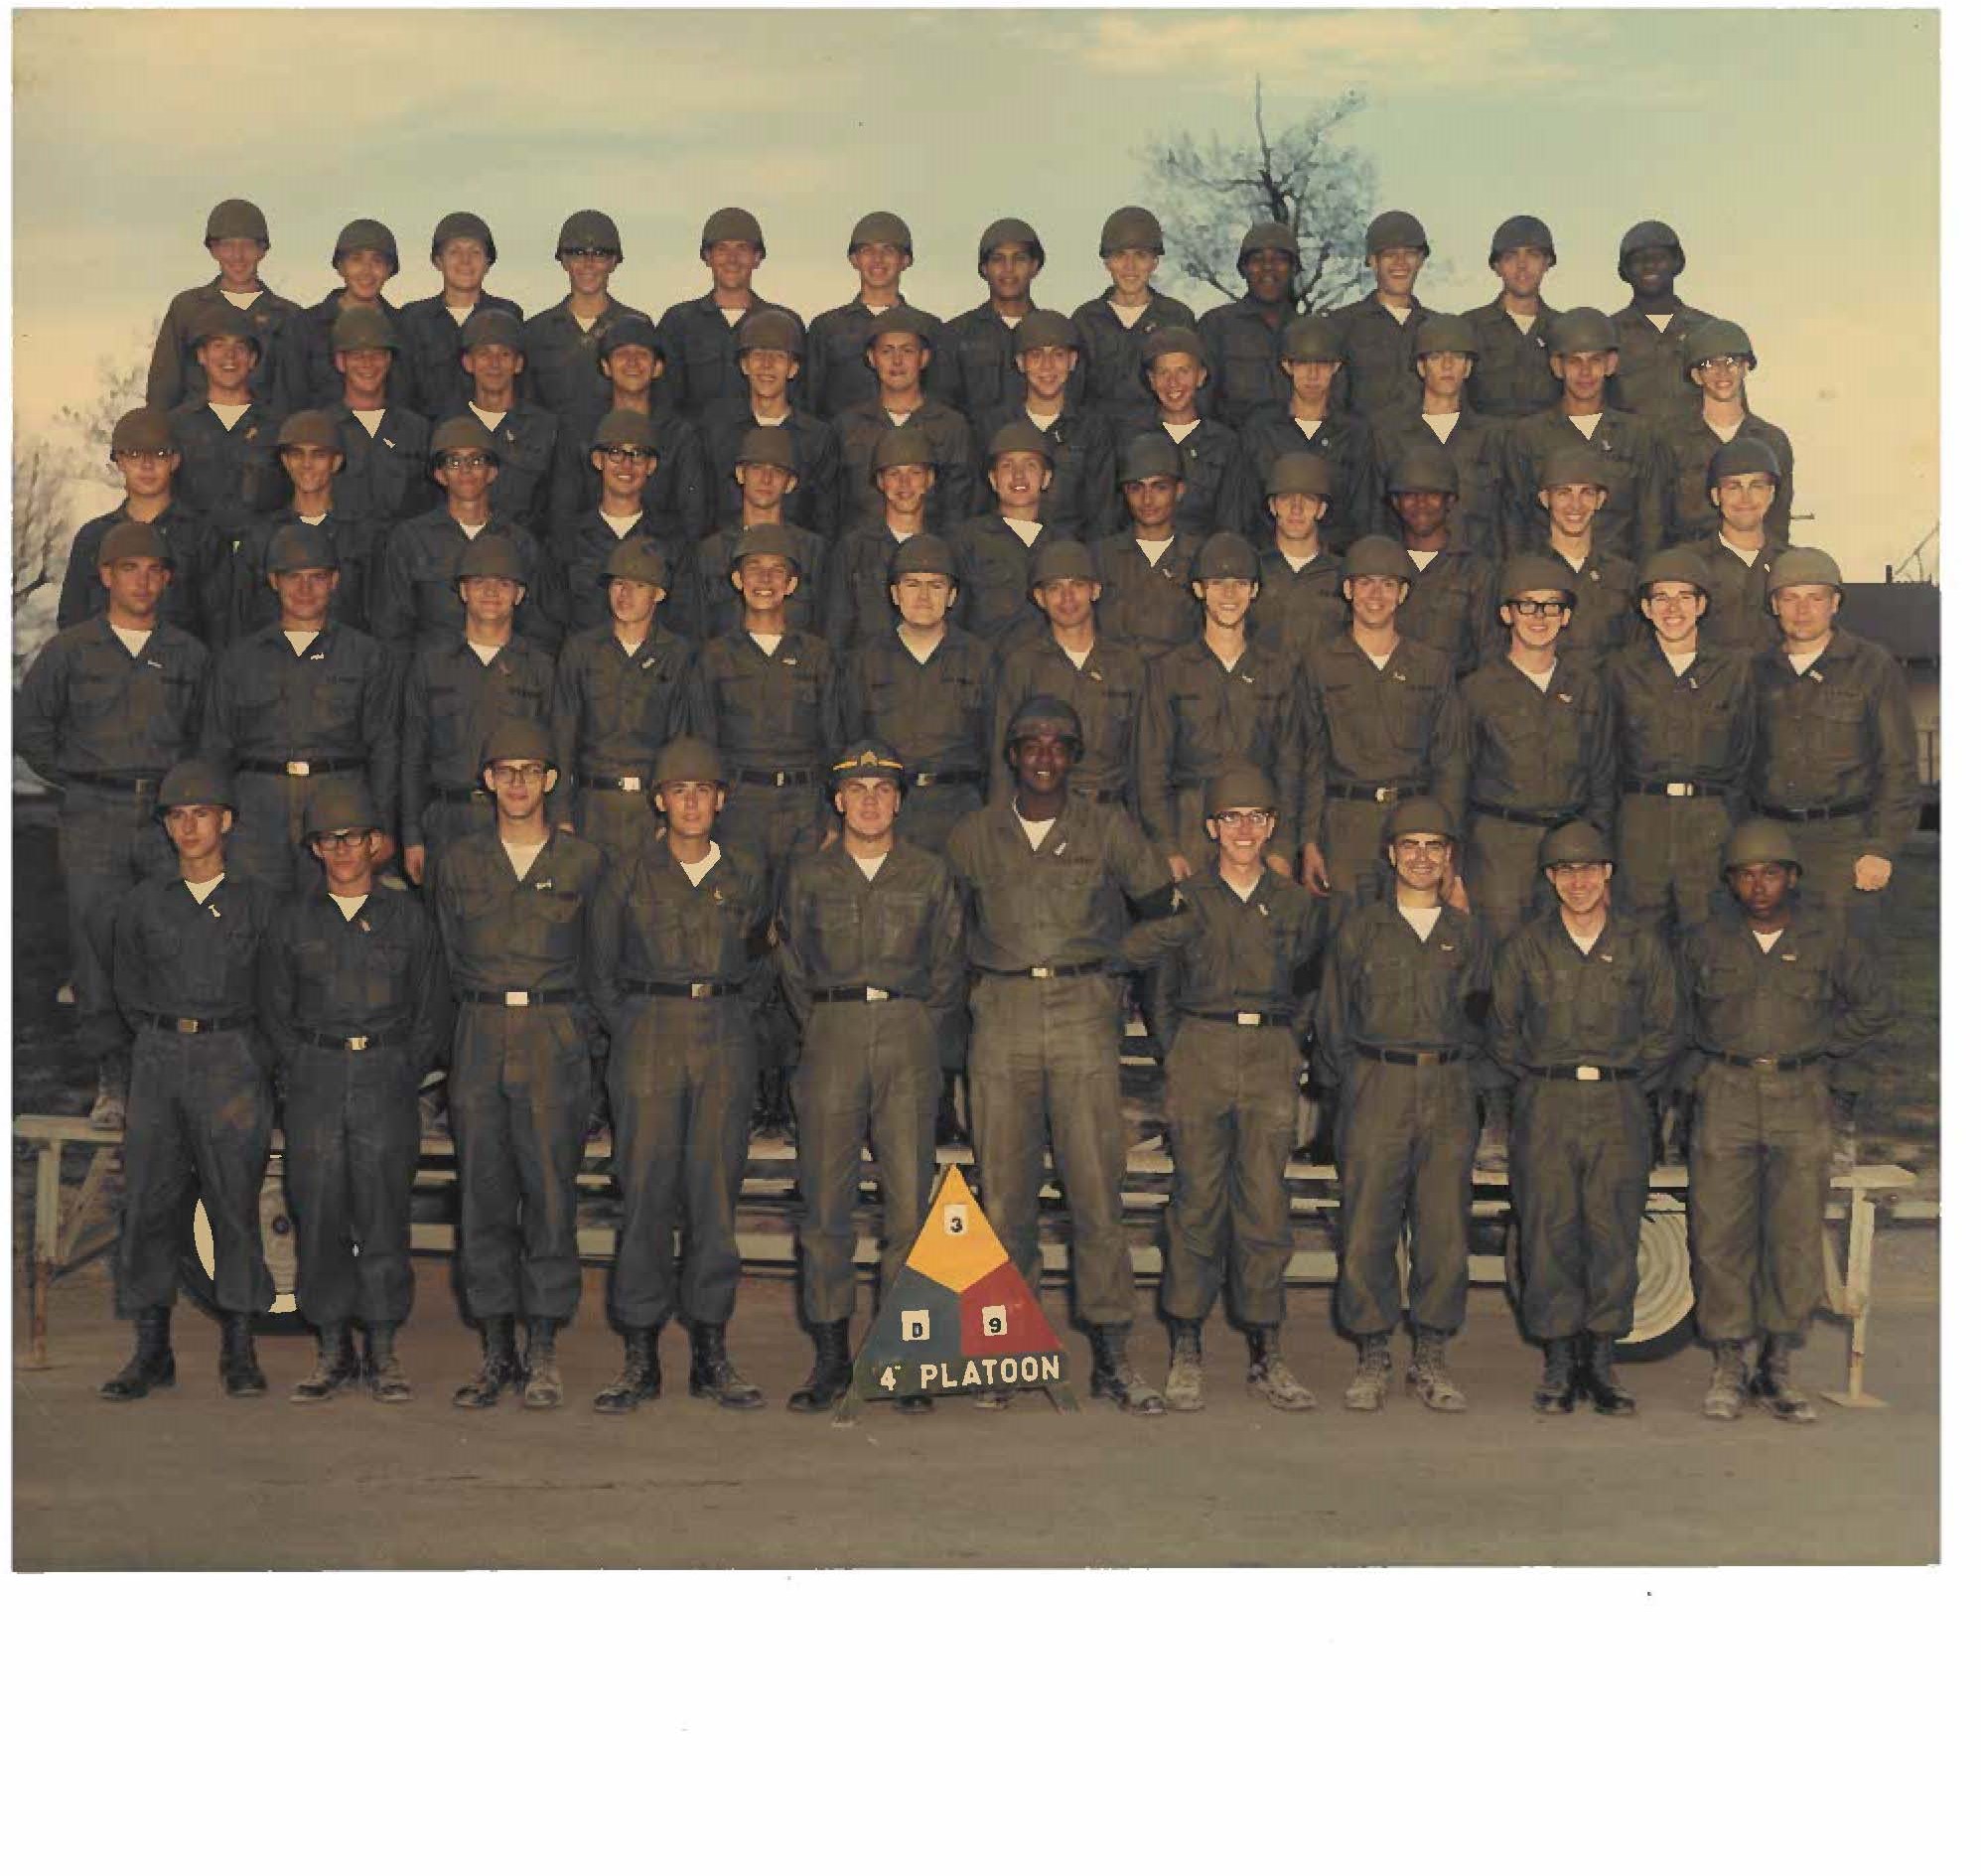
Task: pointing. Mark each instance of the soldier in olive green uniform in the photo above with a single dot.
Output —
(384, 443)
(1511, 378)
(1241, 337)
(898, 356)
(837, 372)
(238, 239)
(871, 956)
(462, 251)
(1781, 996)
(769, 354)
(1046, 392)
(1300, 582)
(857, 605)
(1439, 417)
(994, 551)
(1717, 357)
(1379, 347)
(674, 948)
(226, 462)
(1456, 583)
(974, 358)
(766, 476)
(1315, 420)
(1229, 1009)
(700, 338)
(562, 341)
(1574, 488)
(1652, 330)
(1213, 472)
(1586, 1022)
(1144, 572)
(1114, 327)
(1396, 1034)
(1742, 483)
(580, 545)
(364, 256)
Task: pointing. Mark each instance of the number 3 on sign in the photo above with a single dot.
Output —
(955, 1220)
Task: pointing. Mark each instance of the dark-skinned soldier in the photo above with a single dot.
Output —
(766, 476)
(1511, 378)
(1743, 485)
(1586, 1022)
(354, 1002)
(580, 545)
(1231, 1003)
(1114, 326)
(1397, 1029)
(1299, 581)
(1144, 572)
(513, 901)
(1719, 356)
(238, 239)
(1241, 339)
(898, 357)
(837, 372)
(857, 603)
(994, 550)
(1574, 488)
(106, 708)
(700, 338)
(364, 256)
(1652, 330)
(769, 354)
(674, 966)
(306, 697)
(1047, 882)
(974, 358)
(225, 436)
(431, 330)
(187, 946)
(1782, 997)
(625, 690)
(1213, 475)
(871, 956)
(384, 441)
(1455, 584)
(562, 341)
(1439, 416)
(1310, 414)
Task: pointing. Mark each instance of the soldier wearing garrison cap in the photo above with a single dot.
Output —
(383, 439)
(973, 356)
(676, 940)
(1437, 414)
(429, 373)
(1511, 376)
(857, 605)
(1213, 492)
(562, 341)
(225, 434)
(1044, 392)
(1453, 593)
(766, 481)
(1241, 339)
(1574, 484)
(1653, 330)
(1300, 580)
(699, 338)
(238, 239)
(1114, 327)
(839, 372)
(1743, 485)
(364, 257)
(769, 357)
(870, 953)
(1380, 331)
(1586, 1021)
(898, 353)
(1313, 419)
(994, 550)
(1719, 356)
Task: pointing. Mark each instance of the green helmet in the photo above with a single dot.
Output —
(1044, 715)
(1300, 472)
(906, 448)
(1444, 332)
(1377, 557)
(1674, 563)
(1718, 338)
(881, 230)
(1062, 560)
(463, 226)
(767, 537)
(362, 233)
(1649, 234)
(1043, 326)
(1581, 328)
(1396, 228)
(1242, 785)
(308, 429)
(733, 224)
(771, 443)
(1570, 463)
(1755, 842)
(1009, 231)
(1020, 437)
(196, 783)
(363, 329)
(626, 329)
(1574, 843)
(297, 548)
(640, 558)
(1312, 339)
(1225, 556)
(336, 806)
(688, 759)
(490, 557)
(1164, 339)
(1130, 227)
(621, 429)
(146, 429)
(132, 540)
(1265, 238)
(923, 553)
(1424, 469)
(491, 326)
(1803, 566)
(1147, 454)
(588, 227)
(770, 328)
(219, 320)
(1744, 456)
(236, 220)
(897, 319)
(1536, 573)
(1418, 815)
(517, 739)
(458, 433)
(1521, 230)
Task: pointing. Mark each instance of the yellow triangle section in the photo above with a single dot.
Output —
(955, 1245)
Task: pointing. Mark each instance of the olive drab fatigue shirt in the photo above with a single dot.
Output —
(386, 477)
(451, 703)
(1105, 694)
(901, 932)
(176, 375)
(89, 707)
(1694, 726)
(1111, 354)
(1342, 440)
(1148, 601)
(427, 375)
(1614, 1007)
(1384, 987)
(1238, 954)
(1541, 751)
(1511, 376)
(698, 349)
(508, 934)
(650, 923)
(611, 711)
(197, 596)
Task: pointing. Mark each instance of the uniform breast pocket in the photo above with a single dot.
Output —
(655, 934)
(331, 704)
(555, 924)
(387, 964)
(1836, 724)
(172, 704)
(1407, 709)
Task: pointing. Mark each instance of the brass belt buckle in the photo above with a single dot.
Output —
(1767, 1062)
(701, 990)
(358, 1042)
(187, 1025)
(627, 785)
(1385, 794)
(877, 996)
(1040, 970)
(1678, 788)
(1584, 1072)
(1427, 1059)
(516, 999)
(1249, 1018)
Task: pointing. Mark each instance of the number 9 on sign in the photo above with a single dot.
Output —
(995, 1323)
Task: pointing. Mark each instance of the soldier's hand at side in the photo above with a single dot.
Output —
(415, 864)
(385, 848)
(1280, 864)
(1314, 870)
(1454, 893)
(830, 841)
(1179, 867)
(1872, 873)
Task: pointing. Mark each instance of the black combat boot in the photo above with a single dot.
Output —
(1114, 1378)
(150, 1363)
(337, 1363)
(638, 1379)
(1556, 1393)
(1772, 1388)
(710, 1375)
(949, 1128)
(1598, 1379)
(543, 1384)
(384, 1375)
(1318, 1149)
(241, 1372)
(1183, 1393)
(500, 1370)
(1267, 1376)
(831, 1370)
(772, 1115)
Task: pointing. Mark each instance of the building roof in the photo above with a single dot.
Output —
(1900, 614)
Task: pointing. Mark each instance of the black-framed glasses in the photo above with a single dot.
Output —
(1540, 608)
(1236, 817)
(345, 837)
(461, 458)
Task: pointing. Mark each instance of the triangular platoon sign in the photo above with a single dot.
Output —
(959, 1319)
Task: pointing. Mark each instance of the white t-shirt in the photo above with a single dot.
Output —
(1423, 556)
(1539, 679)
(1230, 663)
(899, 418)
(228, 414)
(1748, 554)
(698, 869)
(310, 520)
(1127, 315)
(921, 654)
(349, 906)
(460, 315)
(1584, 945)
(133, 641)
(521, 858)
(1525, 321)
(1035, 830)
(1246, 890)
(1296, 561)
(1443, 423)
(1044, 420)
(1307, 426)
(1011, 320)
(371, 419)
(1400, 313)
(1660, 320)
(202, 889)
(1154, 550)
(240, 302)
(1768, 939)
(870, 866)
(485, 652)
(767, 642)
(1178, 431)
(1380, 660)
(1420, 918)
(1802, 660)
(473, 530)
(621, 524)
(1027, 531)
(1587, 425)
(1726, 432)
(886, 307)
(1680, 662)
(898, 534)
(1576, 561)
(300, 641)
(1079, 658)
(586, 321)
(732, 315)
(489, 420)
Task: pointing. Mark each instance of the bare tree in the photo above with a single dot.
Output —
(41, 518)
(1208, 194)
(119, 388)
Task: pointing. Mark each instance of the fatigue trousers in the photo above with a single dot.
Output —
(1502, 873)
(1351, 843)
(268, 838)
(1230, 1099)
(107, 841)
(350, 1138)
(1407, 1137)
(867, 1072)
(1668, 858)
(1829, 851)
(617, 820)
(201, 1112)
(1760, 1173)
(1579, 1161)
(1045, 1059)
(520, 1092)
(682, 1074)
(776, 826)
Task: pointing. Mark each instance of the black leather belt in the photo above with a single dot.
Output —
(384, 1038)
(1370, 792)
(196, 1025)
(777, 778)
(1410, 1058)
(1528, 817)
(1680, 790)
(116, 785)
(1107, 798)
(1841, 811)
(699, 991)
(618, 785)
(1049, 970)
(863, 993)
(1583, 1071)
(1772, 1065)
(299, 768)
(949, 778)
(518, 999)
(1246, 1019)
(455, 798)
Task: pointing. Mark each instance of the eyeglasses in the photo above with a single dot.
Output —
(146, 456)
(515, 773)
(585, 254)
(462, 459)
(1540, 608)
(1236, 817)
(1684, 596)
(1723, 364)
(345, 837)
(627, 453)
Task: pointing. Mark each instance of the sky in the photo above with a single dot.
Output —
(1797, 153)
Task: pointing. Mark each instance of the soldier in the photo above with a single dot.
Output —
(464, 251)
(626, 688)
(1439, 418)
(226, 438)
(1380, 331)
(871, 956)
(194, 598)
(1717, 357)
(107, 707)
(354, 1002)
(1396, 1034)
(536, 480)
(364, 258)
(238, 239)
(561, 341)
(188, 945)
(1574, 489)
(1451, 599)
(1228, 1012)
(838, 372)
(1114, 328)
(857, 603)
(384, 443)
(994, 551)
(1222, 698)
(304, 698)
(1081, 497)
(769, 351)
(458, 691)
(699, 338)
(767, 477)
(974, 359)
(1299, 581)
(1044, 882)
(622, 459)
(1582, 347)
(674, 942)
(1241, 339)
(1173, 360)
(1511, 376)
(512, 900)
(1586, 1023)
(1743, 482)
(898, 353)
(1778, 991)
(1387, 728)
(1144, 573)
(925, 690)
(1314, 422)
(677, 493)
(1652, 330)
